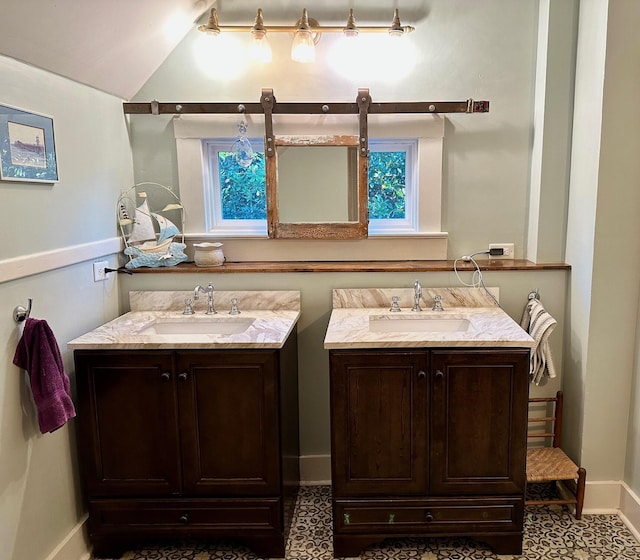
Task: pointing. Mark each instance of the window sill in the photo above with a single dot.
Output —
(354, 266)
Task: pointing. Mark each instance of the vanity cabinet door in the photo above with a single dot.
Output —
(127, 422)
(229, 422)
(378, 422)
(478, 422)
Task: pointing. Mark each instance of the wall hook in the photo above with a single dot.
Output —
(21, 313)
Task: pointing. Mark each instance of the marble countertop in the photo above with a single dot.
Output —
(489, 325)
(273, 314)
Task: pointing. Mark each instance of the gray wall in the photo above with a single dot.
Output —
(48, 230)
(604, 242)
(465, 49)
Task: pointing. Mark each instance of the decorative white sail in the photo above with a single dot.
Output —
(167, 228)
(143, 225)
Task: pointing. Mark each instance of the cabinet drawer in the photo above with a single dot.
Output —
(185, 517)
(428, 516)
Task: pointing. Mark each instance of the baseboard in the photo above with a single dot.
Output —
(75, 546)
(630, 509)
(36, 263)
(602, 497)
(315, 470)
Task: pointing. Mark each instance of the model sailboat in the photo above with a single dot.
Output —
(148, 235)
(143, 231)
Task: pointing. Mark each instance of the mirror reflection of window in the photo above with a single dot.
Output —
(317, 184)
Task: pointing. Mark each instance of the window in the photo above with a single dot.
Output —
(416, 140)
(237, 195)
(393, 189)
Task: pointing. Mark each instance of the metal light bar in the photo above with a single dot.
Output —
(213, 26)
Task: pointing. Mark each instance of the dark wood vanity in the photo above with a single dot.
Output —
(428, 442)
(189, 443)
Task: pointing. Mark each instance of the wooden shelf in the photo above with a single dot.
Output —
(353, 266)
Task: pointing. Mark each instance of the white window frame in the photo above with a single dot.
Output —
(409, 224)
(213, 219)
(192, 164)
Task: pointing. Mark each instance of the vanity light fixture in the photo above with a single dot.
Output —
(303, 48)
(306, 33)
(260, 49)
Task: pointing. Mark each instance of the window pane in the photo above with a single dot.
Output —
(242, 189)
(387, 185)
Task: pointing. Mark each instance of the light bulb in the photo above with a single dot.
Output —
(260, 49)
(303, 48)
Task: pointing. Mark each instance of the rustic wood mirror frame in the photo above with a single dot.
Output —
(357, 229)
(354, 229)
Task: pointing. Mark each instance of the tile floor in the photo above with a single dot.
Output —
(551, 533)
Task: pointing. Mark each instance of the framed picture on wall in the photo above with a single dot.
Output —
(27, 147)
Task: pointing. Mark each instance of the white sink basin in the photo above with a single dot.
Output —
(222, 325)
(389, 324)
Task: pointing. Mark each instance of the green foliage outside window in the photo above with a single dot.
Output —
(243, 191)
(387, 190)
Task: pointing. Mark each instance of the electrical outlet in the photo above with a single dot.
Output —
(507, 250)
(99, 273)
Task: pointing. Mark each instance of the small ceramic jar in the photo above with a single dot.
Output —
(208, 254)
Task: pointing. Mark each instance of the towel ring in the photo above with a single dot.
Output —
(535, 294)
(22, 313)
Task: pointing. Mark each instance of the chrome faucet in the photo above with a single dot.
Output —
(209, 292)
(417, 294)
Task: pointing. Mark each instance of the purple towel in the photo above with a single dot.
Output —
(39, 354)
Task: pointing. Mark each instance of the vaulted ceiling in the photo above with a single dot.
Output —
(115, 45)
(112, 45)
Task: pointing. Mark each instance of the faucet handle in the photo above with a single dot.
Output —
(188, 310)
(395, 308)
(234, 307)
(437, 303)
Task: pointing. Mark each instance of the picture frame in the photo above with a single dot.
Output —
(27, 146)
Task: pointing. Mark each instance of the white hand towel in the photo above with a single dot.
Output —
(539, 324)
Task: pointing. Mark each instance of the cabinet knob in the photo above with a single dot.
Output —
(165, 376)
(183, 376)
(347, 518)
(421, 374)
(439, 374)
(184, 519)
(392, 518)
(428, 517)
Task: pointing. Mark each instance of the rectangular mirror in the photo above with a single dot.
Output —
(317, 188)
